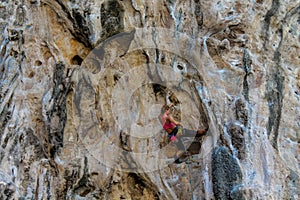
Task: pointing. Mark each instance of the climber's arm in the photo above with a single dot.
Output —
(174, 121)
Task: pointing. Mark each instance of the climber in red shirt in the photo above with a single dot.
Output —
(174, 128)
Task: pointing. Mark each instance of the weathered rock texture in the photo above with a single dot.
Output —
(82, 84)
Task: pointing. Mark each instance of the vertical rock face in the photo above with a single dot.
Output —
(82, 84)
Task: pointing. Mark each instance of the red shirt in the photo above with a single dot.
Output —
(166, 125)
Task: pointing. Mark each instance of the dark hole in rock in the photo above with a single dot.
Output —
(76, 60)
(157, 88)
(31, 75)
(38, 63)
(94, 173)
(116, 77)
(137, 180)
(180, 67)
(163, 59)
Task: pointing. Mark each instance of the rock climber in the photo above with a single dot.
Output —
(175, 130)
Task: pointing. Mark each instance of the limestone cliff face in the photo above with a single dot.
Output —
(82, 84)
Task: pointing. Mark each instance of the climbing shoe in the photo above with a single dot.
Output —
(202, 131)
(207, 128)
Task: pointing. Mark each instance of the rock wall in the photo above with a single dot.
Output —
(82, 84)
